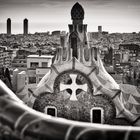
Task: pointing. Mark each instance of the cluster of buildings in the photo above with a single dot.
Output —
(120, 52)
(37, 65)
(5, 57)
(14, 49)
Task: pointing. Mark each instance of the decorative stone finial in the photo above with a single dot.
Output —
(77, 12)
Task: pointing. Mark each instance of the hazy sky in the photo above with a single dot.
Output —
(113, 15)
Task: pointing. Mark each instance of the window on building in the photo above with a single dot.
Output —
(32, 80)
(51, 110)
(45, 64)
(40, 79)
(34, 64)
(97, 115)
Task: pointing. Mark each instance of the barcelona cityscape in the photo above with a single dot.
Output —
(69, 70)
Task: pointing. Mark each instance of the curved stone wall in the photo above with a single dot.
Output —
(19, 122)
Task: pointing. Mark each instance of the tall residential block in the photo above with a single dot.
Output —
(8, 26)
(25, 26)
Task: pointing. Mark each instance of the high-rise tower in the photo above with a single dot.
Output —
(25, 26)
(9, 26)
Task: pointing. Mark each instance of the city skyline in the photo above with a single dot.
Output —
(47, 15)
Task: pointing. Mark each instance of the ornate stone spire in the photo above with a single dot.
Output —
(77, 13)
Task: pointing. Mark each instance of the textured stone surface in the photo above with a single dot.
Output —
(76, 110)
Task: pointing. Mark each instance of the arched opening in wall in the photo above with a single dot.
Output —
(96, 115)
(51, 110)
(74, 47)
(74, 40)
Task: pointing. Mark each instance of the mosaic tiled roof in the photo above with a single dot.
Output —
(131, 98)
